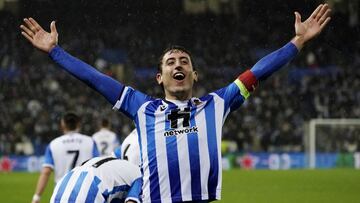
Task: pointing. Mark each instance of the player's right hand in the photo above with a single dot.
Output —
(38, 37)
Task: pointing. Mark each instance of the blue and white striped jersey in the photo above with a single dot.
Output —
(180, 142)
(68, 151)
(101, 179)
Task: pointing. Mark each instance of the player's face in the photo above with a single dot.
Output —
(177, 75)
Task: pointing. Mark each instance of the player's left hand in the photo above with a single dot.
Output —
(312, 26)
(37, 36)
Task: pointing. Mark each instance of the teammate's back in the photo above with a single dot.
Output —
(129, 149)
(65, 152)
(69, 151)
(106, 140)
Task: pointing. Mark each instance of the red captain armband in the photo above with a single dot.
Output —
(249, 80)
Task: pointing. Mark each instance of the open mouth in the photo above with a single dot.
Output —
(179, 76)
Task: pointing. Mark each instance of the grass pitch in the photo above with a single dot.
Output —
(305, 186)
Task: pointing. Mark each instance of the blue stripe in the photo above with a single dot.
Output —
(140, 144)
(122, 188)
(135, 189)
(193, 147)
(93, 190)
(173, 160)
(212, 147)
(76, 189)
(151, 151)
(95, 152)
(48, 159)
(117, 152)
(62, 187)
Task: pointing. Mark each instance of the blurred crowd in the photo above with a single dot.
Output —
(125, 42)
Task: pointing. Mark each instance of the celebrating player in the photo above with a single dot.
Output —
(65, 152)
(179, 136)
(106, 140)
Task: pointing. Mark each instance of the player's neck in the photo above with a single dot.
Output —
(66, 131)
(179, 96)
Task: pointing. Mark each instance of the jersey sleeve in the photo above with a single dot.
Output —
(235, 93)
(48, 158)
(104, 84)
(130, 101)
(135, 191)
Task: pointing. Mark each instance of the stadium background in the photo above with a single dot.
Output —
(124, 39)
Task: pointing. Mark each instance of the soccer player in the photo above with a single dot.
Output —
(101, 179)
(105, 139)
(129, 149)
(180, 135)
(65, 152)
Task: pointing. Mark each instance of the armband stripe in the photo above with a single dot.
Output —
(243, 91)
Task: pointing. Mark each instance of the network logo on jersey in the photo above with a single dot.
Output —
(179, 122)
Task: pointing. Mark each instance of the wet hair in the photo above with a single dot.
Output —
(174, 47)
(71, 121)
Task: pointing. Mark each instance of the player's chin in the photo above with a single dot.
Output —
(180, 90)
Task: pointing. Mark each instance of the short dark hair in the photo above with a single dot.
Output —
(105, 122)
(174, 47)
(71, 120)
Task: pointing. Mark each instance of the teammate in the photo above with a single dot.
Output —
(65, 152)
(101, 179)
(179, 136)
(129, 149)
(106, 140)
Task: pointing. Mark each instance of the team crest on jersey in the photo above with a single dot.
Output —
(197, 101)
(162, 107)
(180, 122)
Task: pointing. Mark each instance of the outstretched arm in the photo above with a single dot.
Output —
(47, 42)
(304, 31)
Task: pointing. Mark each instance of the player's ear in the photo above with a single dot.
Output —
(159, 78)
(195, 76)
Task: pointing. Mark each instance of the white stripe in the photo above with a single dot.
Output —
(226, 115)
(184, 165)
(161, 157)
(56, 189)
(120, 101)
(85, 186)
(203, 152)
(146, 171)
(69, 187)
(219, 106)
